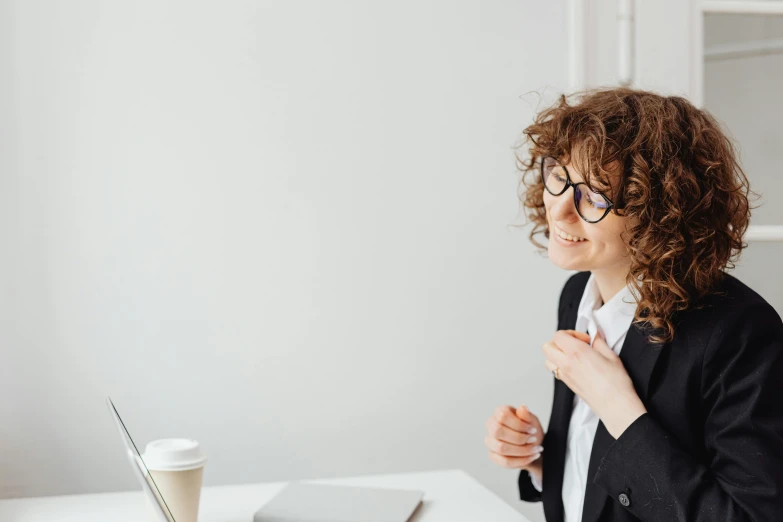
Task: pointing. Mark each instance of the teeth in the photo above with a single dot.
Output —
(569, 237)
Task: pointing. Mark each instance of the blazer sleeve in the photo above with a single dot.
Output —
(742, 400)
(527, 491)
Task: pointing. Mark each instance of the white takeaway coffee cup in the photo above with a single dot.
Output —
(177, 468)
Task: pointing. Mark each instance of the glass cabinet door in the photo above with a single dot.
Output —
(742, 87)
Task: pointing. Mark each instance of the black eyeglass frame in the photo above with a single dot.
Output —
(569, 183)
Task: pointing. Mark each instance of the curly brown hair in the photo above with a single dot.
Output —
(679, 178)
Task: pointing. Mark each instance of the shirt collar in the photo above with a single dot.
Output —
(614, 318)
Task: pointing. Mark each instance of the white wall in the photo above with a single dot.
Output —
(278, 228)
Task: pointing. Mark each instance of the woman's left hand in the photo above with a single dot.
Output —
(597, 375)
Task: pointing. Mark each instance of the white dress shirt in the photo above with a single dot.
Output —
(613, 319)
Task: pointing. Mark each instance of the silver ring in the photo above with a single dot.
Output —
(554, 372)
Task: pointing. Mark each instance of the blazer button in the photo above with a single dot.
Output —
(624, 500)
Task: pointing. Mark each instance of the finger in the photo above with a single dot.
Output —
(535, 433)
(511, 450)
(504, 434)
(561, 376)
(568, 343)
(599, 345)
(528, 416)
(506, 416)
(582, 336)
(512, 462)
(554, 354)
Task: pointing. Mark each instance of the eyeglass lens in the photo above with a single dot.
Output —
(590, 205)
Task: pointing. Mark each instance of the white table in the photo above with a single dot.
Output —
(449, 496)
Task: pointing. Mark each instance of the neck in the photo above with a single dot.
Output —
(609, 282)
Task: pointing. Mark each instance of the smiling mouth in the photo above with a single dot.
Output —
(567, 237)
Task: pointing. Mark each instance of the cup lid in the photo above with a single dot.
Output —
(173, 455)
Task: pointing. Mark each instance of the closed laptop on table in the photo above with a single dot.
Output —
(300, 502)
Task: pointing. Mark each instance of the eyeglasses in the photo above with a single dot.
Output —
(591, 206)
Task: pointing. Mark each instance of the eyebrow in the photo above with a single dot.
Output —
(607, 190)
(571, 170)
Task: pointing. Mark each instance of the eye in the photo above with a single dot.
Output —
(595, 200)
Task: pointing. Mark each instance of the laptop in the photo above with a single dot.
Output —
(298, 501)
(151, 490)
(306, 502)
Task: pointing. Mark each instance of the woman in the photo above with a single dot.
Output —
(668, 399)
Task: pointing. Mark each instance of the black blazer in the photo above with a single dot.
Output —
(710, 447)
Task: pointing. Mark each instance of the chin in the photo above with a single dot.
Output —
(576, 267)
(567, 262)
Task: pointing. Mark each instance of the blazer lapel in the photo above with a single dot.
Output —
(556, 441)
(639, 357)
(556, 436)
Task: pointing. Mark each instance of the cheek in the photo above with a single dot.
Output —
(611, 243)
(608, 232)
(547, 201)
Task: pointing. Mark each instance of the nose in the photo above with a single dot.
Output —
(562, 207)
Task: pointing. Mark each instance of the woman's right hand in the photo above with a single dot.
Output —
(514, 439)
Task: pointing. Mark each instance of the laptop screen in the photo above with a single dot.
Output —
(140, 468)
